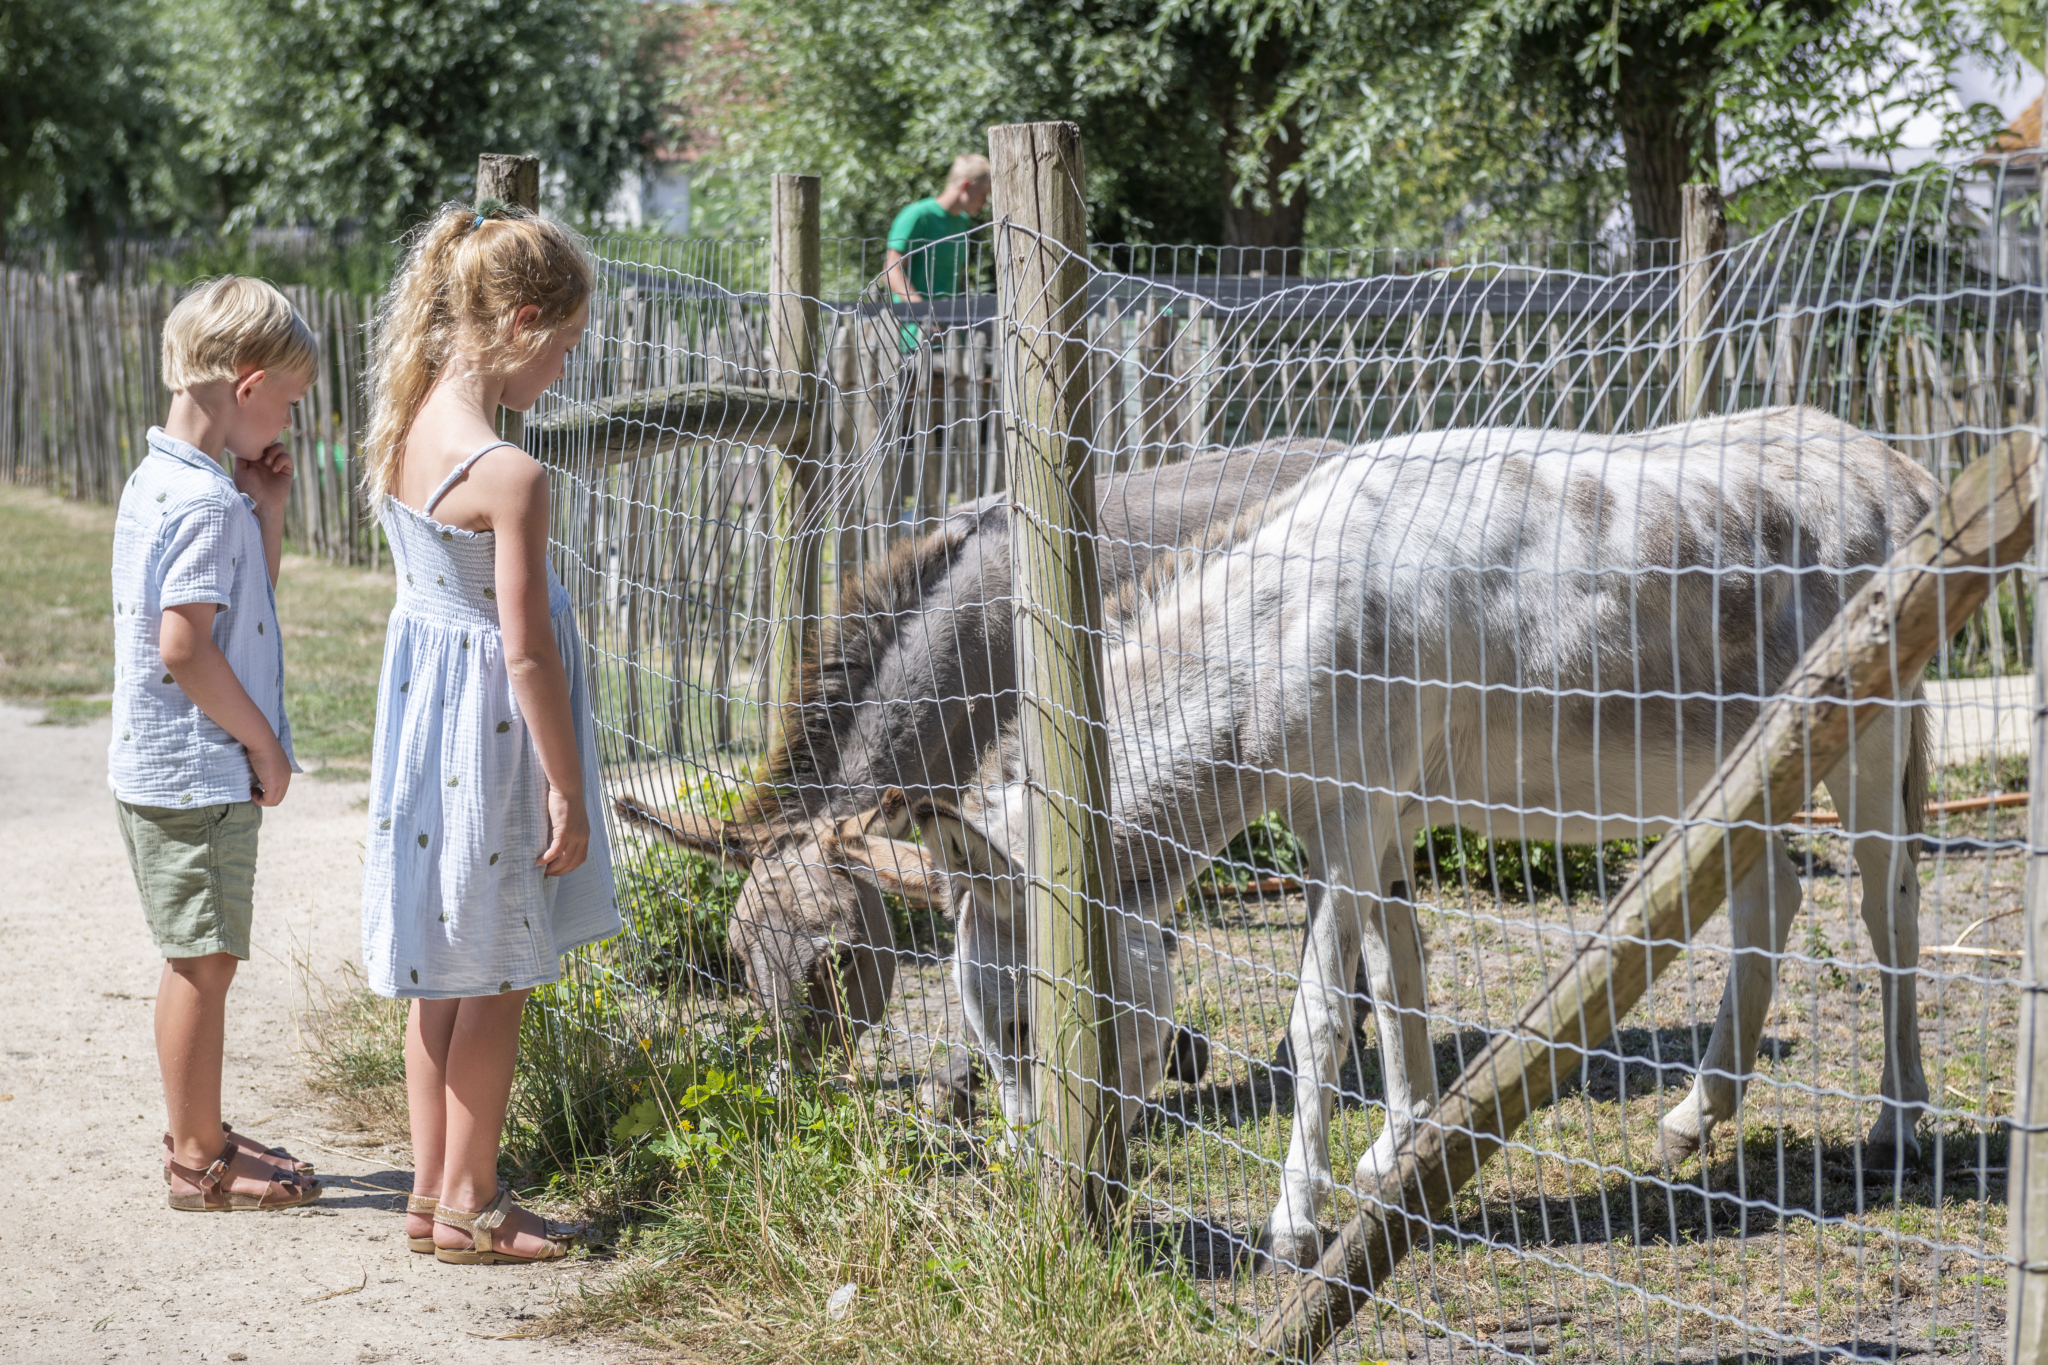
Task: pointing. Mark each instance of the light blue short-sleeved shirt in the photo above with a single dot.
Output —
(186, 534)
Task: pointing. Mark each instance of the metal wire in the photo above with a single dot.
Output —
(1499, 468)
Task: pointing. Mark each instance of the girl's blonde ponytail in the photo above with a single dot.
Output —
(466, 275)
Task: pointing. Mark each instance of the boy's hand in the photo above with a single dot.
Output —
(266, 477)
(273, 774)
(569, 835)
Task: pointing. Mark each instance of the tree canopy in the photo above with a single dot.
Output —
(154, 116)
(878, 96)
(1381, 84)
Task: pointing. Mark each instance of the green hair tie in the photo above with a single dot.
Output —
(488, 208)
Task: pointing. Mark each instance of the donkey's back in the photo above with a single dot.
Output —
(1532, 625)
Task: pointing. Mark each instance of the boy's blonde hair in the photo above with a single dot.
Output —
(232, 324)
(967, 169)
(466, 276)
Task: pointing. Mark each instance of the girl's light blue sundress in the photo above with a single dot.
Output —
(453, 901)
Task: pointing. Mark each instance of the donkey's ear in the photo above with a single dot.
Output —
(733, 845)
(961, 847)
(890, 819)
(902, 869)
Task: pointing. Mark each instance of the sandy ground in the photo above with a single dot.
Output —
(99, 1268)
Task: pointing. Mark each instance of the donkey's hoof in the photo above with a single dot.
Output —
(1189, 1061)
(1674, 1145)
(1885, 1156)
(1294, 1249)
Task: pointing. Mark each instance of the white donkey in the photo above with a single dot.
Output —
(1532, 634)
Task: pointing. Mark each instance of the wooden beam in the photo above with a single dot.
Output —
(633, 426)
(1041, 244)
(1884, 637)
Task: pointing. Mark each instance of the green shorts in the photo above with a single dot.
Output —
(196, 870)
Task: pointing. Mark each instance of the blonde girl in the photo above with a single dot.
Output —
(486, 858)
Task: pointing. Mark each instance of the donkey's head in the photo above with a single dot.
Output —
(980, 842)
(810, 923)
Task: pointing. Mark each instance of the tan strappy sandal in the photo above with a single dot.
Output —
(276, 1156)
(483, 1224)
(428, 1206)
(207, 1191)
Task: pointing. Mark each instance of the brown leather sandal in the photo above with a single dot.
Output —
(207, 1191)
(423, 1204)
(276, 1156)
(483, 1224)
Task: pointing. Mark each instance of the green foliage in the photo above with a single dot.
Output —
(676, 907)
(1453, 859)
(878, 96)
(1523, 96)
(695, 1115)
(1446, 857)
(375, 110)
(351, 262)
(87, 141)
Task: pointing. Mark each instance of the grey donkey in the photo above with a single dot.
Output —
(911, 679)
(1521, 632)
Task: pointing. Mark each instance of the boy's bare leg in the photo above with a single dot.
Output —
(476, 1068)
(191, 1030)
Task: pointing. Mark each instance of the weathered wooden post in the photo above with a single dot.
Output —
(795, 279)
(1704, 232)
(1042, 290)
(512, 180)
(2027, 1160)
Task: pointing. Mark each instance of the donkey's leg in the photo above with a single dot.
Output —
(1886, 861)
(1392, 941)
(1319, 1031)
(1760, 913)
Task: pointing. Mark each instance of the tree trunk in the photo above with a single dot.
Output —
(1269, 238)
(92, 236)
(1658, 143)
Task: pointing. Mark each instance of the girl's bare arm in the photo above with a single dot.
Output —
(520, 521)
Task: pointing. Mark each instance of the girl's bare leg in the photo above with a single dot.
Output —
(428, 1029)
(479, 1050)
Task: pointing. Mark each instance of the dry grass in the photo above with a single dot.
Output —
(57, 638)
(56, 599)
(354, 1043)
(951, 1259)
(1574, 1244)
(1577, 1243)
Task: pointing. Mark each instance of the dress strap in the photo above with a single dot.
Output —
(455, 474)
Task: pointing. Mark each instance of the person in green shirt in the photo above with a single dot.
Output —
(920, 264)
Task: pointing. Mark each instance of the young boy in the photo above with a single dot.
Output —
(200, 741)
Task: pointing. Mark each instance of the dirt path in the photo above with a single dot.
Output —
(99, 1268)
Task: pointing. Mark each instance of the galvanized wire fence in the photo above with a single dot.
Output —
(1433, 598)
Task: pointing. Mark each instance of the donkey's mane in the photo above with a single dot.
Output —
(837, 670)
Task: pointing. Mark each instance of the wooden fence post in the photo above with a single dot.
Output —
(2027, 1159)
(1041, 296)
(1704, 232)
(795, 279)
(1886, 633)
(513, 180)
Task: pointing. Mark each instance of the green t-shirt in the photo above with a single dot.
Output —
(934, 271)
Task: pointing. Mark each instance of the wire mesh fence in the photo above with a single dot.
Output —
(1430, 599)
